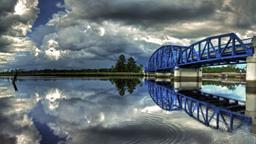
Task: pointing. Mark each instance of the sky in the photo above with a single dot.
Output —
(78, 34)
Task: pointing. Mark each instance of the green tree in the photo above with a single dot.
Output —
(140, 68)
(131, 65)
(120, 64)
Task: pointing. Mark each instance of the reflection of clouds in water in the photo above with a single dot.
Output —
(52, 97)
(92, 112)
(16, 126)
(6, 89)
(151, 109)
(237, 93)
(83, 121)
(143, 129)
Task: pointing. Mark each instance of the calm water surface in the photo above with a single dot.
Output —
(94, 111)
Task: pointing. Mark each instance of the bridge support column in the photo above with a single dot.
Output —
(251, 105)
(188, 74)
(251, 65)
(251, 69)
(163, 75)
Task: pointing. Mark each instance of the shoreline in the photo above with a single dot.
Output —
(79, 74)
(125, 75)
(117, 76)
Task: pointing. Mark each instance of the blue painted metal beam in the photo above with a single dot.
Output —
(215, 50)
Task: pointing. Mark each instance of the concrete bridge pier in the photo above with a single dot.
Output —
(251, 105)
(188, 74)
(251, 65)
(163, 75)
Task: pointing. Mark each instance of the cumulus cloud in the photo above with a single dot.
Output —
(16, 19)
(93, 33)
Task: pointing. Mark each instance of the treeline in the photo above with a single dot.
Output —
(59, 71)
(121, 66)
(231, 68)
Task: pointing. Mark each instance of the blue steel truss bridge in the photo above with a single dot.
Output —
(215, 50)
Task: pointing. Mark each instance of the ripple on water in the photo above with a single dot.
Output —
(148, 129)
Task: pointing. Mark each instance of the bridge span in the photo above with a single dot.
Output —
(186, 61)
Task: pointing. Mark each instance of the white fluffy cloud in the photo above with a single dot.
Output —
(16, 19)
(93, 33)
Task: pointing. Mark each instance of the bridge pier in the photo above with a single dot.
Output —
(188, 74)
(251, 69)
(163, 75)
(251, 105)
(251, 65)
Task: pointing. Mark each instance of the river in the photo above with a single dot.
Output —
(109, 111)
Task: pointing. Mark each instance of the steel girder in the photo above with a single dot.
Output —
(215, 50)
(164, 59)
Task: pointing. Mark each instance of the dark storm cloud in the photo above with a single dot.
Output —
(153, 12)
(7, 6)
(244, 13)
(145, 11)
(98, 46)
(6, 20)
(93, 33)
(3, 44)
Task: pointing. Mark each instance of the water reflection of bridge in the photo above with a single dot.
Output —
(213, 111)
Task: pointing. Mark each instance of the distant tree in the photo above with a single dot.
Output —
(140, 68)
(112, 68)
(131, 65)
(120, 64)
